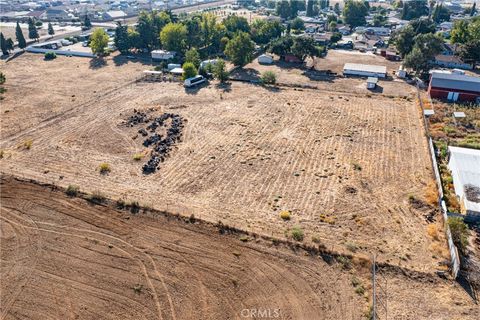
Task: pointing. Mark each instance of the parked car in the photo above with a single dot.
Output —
(191, 82)
(85, 44)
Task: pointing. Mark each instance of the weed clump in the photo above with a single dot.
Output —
(137, 157)
(96, 197)
(285, 215)
(72, 190)
(104, 168)
(297, 233)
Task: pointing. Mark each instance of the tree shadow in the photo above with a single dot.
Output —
(225, 86)
(377, 89)
(319, 75)
(466, 285)
(97, 63)
(120, 59)
(248, 74)
(194, 90)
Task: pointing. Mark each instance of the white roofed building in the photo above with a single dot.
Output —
(364, 70)
(464, 163)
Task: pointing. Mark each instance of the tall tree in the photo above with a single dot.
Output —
(86, 22)
(193, 56)
(193, 31)
(10, 44)
(470, 52)
(309, 12)
(283, 9)
(32, 30)
(414, 9)
(304, 47)
(50, 29)
(294, 8)
(281, 46)
(219, 71)
(440, 14)
(235, 23)
(149, 25)
(354, 13)
(404, 40)
(174, 37)
(460, 32)
(425, 48)
(99, 41)
(20, 38)
(121, 38)
(240, 49)
(3, 44)
(263, 31)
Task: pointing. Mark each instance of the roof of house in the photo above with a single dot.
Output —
(115, 14)
(465, 166)
(448, 58)
(365, 67)
(455, 81)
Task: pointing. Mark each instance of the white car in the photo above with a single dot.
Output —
(191, 82)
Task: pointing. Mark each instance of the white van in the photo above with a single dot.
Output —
(190, 82)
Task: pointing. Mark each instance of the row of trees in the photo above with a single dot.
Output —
(234, 36)
(7, 44)
(466, 34)
(418, 44)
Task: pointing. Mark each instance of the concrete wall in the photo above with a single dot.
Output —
(61, 52)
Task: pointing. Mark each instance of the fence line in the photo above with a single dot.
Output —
(455, 258)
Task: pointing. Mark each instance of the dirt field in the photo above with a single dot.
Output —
(63, 258)
(344, 165)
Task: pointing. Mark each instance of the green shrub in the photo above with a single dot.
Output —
(269, 77)
(137, 156)
(297, 233)
(72, 190)
(189, 70)
(50, 55)
(459, 231)
(104, 168)
(27, 144)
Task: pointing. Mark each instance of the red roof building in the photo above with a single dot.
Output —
(454, 87)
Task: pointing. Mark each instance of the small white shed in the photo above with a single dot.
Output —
(265, 59)
(372, 82)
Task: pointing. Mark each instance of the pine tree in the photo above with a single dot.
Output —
(3, 44)
(87, 23)
(10, 44)
(32, 30)
(50, 29)
(20, 38)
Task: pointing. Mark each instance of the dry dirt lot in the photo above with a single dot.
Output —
(290, 73)
(64, 258)
(344, 165)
